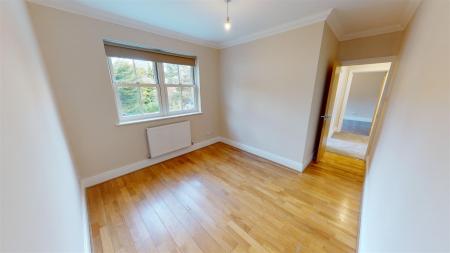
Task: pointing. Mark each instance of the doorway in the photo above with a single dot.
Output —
(351, 108)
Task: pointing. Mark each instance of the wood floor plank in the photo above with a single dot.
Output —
(221, 199)
(159, 234)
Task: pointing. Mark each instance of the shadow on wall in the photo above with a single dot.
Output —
(41, 207)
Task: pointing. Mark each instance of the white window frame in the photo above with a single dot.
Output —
(179, 85)
(162, 94)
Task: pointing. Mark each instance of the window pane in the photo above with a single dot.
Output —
(150, 102)
(123, 70)
(145, 71)
(186, 74)
(187, 98)
(171, 74)
(174, 95)
(129, 100)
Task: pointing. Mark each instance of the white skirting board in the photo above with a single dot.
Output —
(85, 219)
(105, 176)
(295, 165)
(110, 174)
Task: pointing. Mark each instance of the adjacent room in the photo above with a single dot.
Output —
(357, 100)
(234, 126)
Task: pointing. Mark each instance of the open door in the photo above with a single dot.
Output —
(326, 112)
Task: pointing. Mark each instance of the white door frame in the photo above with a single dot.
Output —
(353, 69)
(382, 102)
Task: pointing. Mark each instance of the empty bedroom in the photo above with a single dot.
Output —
(225, 126)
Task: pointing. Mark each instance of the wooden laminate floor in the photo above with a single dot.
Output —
(221, 199)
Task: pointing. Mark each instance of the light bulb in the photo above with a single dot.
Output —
(227, 24)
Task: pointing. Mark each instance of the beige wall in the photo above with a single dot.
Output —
(73, 52)
(406, 204)
(364, 94)
(383, 45)
(40, 201)
(267, 89)
(328, 56)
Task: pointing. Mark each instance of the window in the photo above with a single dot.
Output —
(150, 84)
(179, 81)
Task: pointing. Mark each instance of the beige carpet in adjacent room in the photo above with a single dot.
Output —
(349, 144)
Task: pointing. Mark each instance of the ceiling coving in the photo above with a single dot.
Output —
(202, 22)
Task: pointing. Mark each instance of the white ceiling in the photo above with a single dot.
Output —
(201, 21)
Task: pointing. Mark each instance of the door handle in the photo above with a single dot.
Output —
(325, 117)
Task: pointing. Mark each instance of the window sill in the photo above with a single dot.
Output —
(157, 118)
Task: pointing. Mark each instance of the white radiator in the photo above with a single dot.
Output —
(168, 138)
